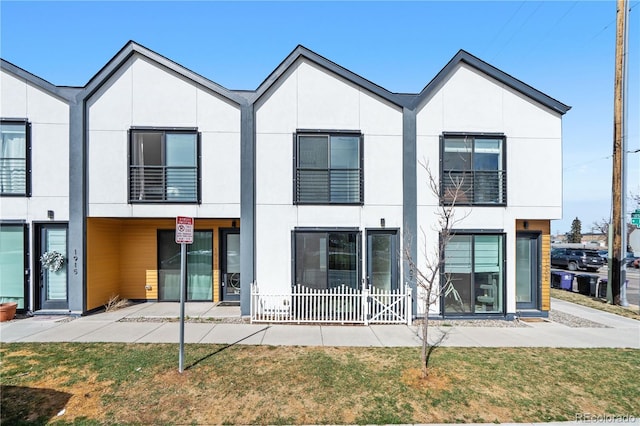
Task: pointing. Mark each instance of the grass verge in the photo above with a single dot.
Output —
(73, 383)
(593, 302)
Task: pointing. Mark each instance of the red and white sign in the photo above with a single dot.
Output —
(184, 230)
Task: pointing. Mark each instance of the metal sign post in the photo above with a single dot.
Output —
(184, 236)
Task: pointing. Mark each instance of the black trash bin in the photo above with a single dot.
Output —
(587, 284)
(602, 288)
(556, 279)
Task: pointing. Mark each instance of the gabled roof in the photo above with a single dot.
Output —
(302, 52)
(493, 72)
(65, 93)
(241, 97)
(133, 48)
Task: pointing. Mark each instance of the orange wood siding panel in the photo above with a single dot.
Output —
(103, 261)
(122, 257)
(546, 272)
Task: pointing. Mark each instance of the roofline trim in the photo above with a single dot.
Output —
(497, 74)
(301, 52)
(63, 92)
(132, 48)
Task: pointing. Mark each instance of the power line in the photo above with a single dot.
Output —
(518, 30)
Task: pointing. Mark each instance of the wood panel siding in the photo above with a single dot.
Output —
(122, 257)
(545, 292)
(544, 227)
(103, 261)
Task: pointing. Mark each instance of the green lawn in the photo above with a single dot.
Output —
(140, 384)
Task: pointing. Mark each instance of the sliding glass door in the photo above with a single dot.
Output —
(12, 264)
(199, 267)
(473, 278)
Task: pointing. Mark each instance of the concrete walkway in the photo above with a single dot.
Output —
(208, 323)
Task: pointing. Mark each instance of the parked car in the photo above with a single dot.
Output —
(576, 259)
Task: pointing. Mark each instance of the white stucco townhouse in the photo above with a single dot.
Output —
(312, 179)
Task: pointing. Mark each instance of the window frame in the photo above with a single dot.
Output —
(27, 190)
(327, 231)
(329, 134)
(26, 273)
(502, 171)
(502, 289)
(133, 131)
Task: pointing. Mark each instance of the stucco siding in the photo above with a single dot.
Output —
(160, 97)
(470, 101)
(48, 116)
(13, 99)
(144, 94)
(307, 96)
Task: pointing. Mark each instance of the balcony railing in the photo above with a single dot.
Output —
(154, 184)
(333, 186)
(479, 187)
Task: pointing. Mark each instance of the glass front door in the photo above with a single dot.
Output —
(527, 276)
(199, 267)
(230, 264)
(382, 259)
(53, 266)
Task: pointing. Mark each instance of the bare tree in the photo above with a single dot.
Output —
(432, 281)
(602, 226)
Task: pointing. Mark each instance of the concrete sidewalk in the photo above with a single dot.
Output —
(209, 323)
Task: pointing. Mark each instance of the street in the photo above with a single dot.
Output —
(633, 278)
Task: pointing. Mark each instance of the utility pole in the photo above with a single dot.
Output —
(618, 228)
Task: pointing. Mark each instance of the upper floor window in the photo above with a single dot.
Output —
(328, 168)
(164, 166)
(15, 149)
(473, 170)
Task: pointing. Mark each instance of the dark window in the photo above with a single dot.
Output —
(473, 278)
(327, 259)
(164, 166)
(15, 168)
(328, 168)
(473, 170)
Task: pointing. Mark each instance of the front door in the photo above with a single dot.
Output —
(52, 265)
(527, 270)
(230, 264)
(382, 259)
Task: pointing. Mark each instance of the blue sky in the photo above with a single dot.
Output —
(564, 49)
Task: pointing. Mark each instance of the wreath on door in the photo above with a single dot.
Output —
(52, 260)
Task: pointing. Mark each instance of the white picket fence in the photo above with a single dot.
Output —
(342, 305)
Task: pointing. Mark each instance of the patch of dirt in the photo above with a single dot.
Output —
(85, 394)
(436, 380)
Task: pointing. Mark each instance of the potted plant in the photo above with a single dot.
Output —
(8, 311)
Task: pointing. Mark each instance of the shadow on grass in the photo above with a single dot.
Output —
(22, 405)
(224, 348)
